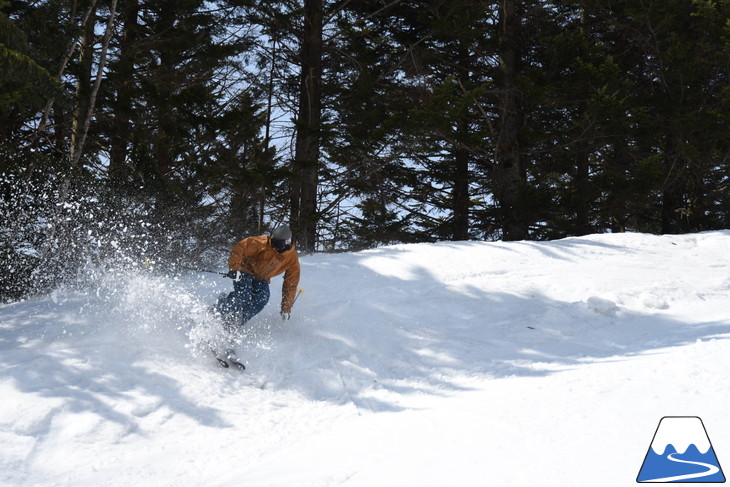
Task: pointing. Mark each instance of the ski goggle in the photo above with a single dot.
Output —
(281, 245)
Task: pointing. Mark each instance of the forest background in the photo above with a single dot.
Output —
(154, 134)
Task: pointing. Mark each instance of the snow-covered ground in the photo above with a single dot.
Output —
(471, 363)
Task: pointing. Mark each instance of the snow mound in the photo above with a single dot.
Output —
(602, 306)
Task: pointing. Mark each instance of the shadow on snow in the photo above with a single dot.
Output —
(394, 336)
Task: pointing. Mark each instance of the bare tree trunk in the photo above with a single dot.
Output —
(83, 84)
(62, 69)
(80, 136)
(83, 113)
(267, 136)
(306, 158)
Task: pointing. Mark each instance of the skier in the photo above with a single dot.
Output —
(252, 264)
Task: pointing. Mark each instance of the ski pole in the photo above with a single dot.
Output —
(205, 270)
(286, 315)
(301, 290)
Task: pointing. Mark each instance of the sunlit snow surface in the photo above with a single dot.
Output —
(470, 363)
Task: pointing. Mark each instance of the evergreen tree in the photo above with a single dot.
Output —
(25, 85)
(175, 125)
(414, 119)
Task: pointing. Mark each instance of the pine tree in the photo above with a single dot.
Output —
(416, 108)
(25, 85)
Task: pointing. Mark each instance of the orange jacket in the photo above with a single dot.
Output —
(256, 256)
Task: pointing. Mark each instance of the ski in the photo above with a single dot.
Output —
(229, 361)
(236, 364)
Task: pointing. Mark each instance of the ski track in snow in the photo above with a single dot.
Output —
(457, 363)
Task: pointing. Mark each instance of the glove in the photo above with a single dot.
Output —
(235, 275)
(285, 316)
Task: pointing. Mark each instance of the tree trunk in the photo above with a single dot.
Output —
(616, 199)
(461, 200)
(85, 104)
(83, 84)
(306, 157)
(461, 188)
(582, 189)
(40, 131)
(90, 104)
(674, 214)
(166, 82)
(267, 133)
(121, 125)
(511, 177)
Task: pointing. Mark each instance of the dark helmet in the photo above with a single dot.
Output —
(281, 238)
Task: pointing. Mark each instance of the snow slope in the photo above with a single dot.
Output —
(471, 363)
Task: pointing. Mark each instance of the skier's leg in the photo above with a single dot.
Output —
(259, 297)
(238, 298)
(230, 310)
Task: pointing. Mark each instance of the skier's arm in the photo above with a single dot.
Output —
(291, 281)
(238, 253)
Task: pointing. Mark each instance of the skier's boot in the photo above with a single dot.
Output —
(233, 359)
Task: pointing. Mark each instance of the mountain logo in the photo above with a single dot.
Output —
(681, 452)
